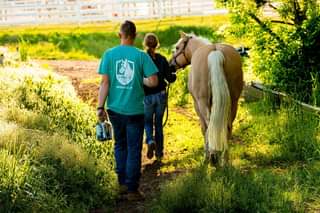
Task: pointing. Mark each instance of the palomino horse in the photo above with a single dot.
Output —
(215, 83)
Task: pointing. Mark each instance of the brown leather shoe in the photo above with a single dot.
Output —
(135, 196)
(151, 148)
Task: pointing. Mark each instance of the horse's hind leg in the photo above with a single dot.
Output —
(194, 90)
(203, 124)
(202, 120)
(234, 108)
(203, 111)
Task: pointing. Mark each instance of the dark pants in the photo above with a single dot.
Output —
(128, 134)
(154, 107)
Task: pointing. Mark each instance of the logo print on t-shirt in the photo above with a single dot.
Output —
(125, 71)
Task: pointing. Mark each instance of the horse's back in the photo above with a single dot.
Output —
(232, 67)
(199, 75)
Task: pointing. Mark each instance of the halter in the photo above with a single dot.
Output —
(184, 54)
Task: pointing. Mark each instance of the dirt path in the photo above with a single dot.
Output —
(85, 80)
(83, 75)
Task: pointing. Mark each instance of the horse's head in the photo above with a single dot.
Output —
(181, 56)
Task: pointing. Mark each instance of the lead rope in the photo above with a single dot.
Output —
(167, 105)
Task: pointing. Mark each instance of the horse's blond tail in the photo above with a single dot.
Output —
(217, 132)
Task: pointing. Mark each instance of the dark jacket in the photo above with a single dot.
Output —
(164, 75)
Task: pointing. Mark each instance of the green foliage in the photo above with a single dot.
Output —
(274, 156)
(316, 89)
(179, 92)
(299, 62)
(28, 119)
(49, 159)
(70, 171)
(301, 146)
(23, 50)
(183, 142)
(12, 179)
(287, 134)
(61, 106)
(52, 175)
(284, 43)
(57, 99)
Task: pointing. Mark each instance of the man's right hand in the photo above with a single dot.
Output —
(102, 115)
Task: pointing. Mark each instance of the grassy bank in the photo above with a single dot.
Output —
(49, 159)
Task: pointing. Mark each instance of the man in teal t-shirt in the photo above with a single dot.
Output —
(124, 70)
(126, 66)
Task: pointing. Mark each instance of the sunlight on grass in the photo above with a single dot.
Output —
(88, 42)
(47, 164)
(183, 143)
(142, 25)
(6, 127)
(47, 132)
(28, 119)
(50, 51)
(275, 165)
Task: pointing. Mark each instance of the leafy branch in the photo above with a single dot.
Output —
(266, 28)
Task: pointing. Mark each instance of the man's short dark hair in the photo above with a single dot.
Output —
(128, 29)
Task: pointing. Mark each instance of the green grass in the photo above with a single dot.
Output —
(88, 42)
(50, 161)
(45, 171)
(287, 134)
(274, 166)
(228, 190)
(48, 164)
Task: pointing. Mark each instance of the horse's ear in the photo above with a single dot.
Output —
(183, 34)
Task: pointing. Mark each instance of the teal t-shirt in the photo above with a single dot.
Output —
(126, 67)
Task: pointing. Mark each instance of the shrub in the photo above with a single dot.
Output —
(284, 45)
(179, 92)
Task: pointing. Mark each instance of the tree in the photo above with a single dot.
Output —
(285, 39)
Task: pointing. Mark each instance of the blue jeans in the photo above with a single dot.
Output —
(128, 134)
(154, 107)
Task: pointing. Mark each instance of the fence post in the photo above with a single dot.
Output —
(78, 12)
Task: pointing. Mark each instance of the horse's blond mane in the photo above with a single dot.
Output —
(199, 38)
(202, 39)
